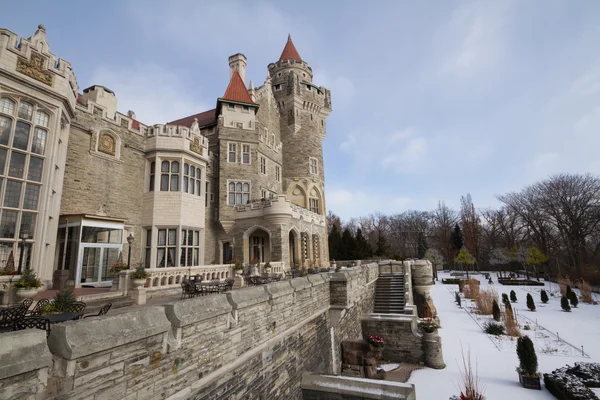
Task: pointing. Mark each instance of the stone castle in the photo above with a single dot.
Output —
(243, 181)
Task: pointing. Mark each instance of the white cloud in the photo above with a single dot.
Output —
(586, 84)
(348, 203)
(343, 90)
(153, 93)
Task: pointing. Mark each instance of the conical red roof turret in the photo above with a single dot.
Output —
(289, 51)
(236, 91)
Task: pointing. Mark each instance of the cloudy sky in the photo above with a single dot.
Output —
(432, 99)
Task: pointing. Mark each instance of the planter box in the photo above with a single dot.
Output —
(529, 382)
(519, 282)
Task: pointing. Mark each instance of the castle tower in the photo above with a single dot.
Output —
(303, 109)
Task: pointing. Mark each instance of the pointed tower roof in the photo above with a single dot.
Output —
(289, 51)
(236, 91)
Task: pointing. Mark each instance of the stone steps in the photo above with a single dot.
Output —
(389, 294)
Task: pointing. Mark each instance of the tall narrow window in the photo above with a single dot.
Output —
(152, 173)
(206, 194)
(314, 205)
(278, 173)
(313, 166)
(263, 165)
(166, 247)
(148, 247)
(191, 179)
(232, 157)
(239, 193)
(263, 194)
(246, 154)
(190, 248)
(169, 176)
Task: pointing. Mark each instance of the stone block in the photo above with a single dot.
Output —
(187, 312)
(247, 297)
(316, 279)
(75, 339)
(300, 283)
(279, 289)
(23, 351)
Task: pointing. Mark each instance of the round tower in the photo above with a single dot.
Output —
(303, 109)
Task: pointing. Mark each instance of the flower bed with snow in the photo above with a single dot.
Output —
(573, 383)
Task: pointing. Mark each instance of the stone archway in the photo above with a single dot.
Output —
(257, 245)
(294, 248)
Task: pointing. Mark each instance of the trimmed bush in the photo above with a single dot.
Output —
(510, 322)
(544, 296)
(493, 328)
(505, 298)
(573, 299)
(530, 303)
(564, 304)
(528, 362)
(457, 298)
(496, 310)
(568, 291)
(513, 296)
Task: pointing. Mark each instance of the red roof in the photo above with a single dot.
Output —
(289, 51)
(236, 91)
(204, 118)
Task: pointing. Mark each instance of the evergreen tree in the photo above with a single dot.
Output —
(564, 304)
(513, 296)
(335, 243)
(505, 298)
(363, 250)
(573, 299)
(528, 362)
(544, 296)
(422, 246)
(569, 290)
(530, 303)
(496, 310)
(457, 238)
(348, 248)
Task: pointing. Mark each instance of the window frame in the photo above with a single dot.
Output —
(246, 153)
(231, 152)
(313, 165)
(241, 192)
(166, 246)
(172, 177)
(187, 249)
(263, 165)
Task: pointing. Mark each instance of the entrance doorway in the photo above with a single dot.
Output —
(95, 261)
(259, 246)
(227, 253)
(292, 249)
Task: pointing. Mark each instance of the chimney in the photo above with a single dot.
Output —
(237, 62)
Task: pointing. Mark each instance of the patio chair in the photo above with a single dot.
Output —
(187, 290)
(33, 322)
(8, 317)
(102, 311)
(26, 303)
(37, 309)
(76, 306)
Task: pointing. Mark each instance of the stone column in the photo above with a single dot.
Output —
(432, 347)
(422, 279)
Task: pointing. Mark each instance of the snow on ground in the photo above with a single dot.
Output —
(389, 367)
(496, 363)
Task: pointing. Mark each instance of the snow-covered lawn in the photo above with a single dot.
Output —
(495, 360)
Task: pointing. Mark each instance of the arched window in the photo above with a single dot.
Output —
(239, 193)
(7, 106)
(25, 110)
(192, 180)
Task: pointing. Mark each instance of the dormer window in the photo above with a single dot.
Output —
(231, 107)
(245, 109)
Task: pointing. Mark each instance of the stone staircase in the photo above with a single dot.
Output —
(389, 294)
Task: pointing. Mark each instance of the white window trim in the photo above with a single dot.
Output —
(236, 152)
(277, 173)
(249, 154)
(261, 158)
(242, 181)
(310, 165)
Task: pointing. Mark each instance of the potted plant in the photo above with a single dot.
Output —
(139, 277)
(428, 325)
(61, 302)
(238, 266)
(28, 285)
(254, 266)
(376, 343)
(529, 377)
(117, 267)
(267, 268)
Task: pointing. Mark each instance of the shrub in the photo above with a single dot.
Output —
(573, 299)
(457, 298)
(496, 310)
(586, 292)
(568, 291)
(485, 301)
(563, 284)
(505, 298)
(564, 304)
(544, 296)
(471, 288)
(28, 280)
(527, 358)
(513, 296)
(469, 383)
(512, 329)
(64, 298)
(493, 328)
(530, 303)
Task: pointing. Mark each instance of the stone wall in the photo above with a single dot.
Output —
(403, 343)
(252, 343)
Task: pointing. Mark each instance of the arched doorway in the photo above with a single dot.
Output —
(258, 246)
(293, 238)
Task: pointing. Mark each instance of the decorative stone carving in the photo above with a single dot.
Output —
(34, 68)
(107, 144)
(195, 146)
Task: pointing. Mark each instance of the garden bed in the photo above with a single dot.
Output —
(519, 282)
(452, 281)
(574, 383)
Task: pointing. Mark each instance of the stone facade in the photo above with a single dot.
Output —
(253, 343)
(243, 181)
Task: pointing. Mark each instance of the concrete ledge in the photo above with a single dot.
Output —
(316, 279)
(75, 339)
(340, 276)
(242, 298)
(279, 289)
(23, 351)
(358, 387)
(186, 312)
(300, 283)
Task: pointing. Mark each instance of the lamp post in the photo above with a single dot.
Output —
(130, 240)
(24, 237)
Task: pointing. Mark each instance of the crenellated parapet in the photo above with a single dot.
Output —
(30, 60)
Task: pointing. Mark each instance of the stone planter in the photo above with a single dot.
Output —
(377, 350)
(23, 294)
(239, 272)
(530, 382)
(432, 347)
(268, 270)
(138, 283)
